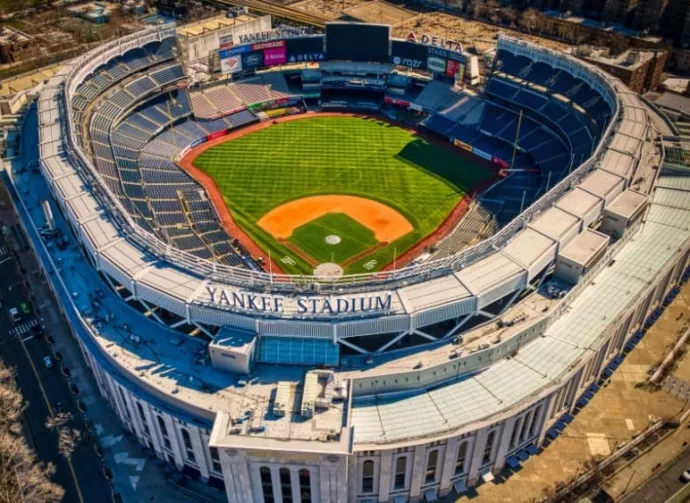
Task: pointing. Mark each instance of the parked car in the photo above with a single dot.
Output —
(685, 476)
(48, 362)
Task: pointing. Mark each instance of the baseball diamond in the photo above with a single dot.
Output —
(265, 175)
(507, 237)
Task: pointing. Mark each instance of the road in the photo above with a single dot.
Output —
(80, 474)
(664, 485)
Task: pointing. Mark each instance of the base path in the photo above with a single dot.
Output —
(187, 164)
(386, 223)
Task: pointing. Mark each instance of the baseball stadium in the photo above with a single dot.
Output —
(342, 266)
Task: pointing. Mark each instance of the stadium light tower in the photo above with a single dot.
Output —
(517, 135)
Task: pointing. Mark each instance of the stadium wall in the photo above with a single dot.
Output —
(188, 435)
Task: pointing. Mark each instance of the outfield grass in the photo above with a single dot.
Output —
(339, 155)
(354, 238)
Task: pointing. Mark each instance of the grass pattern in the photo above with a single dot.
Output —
(354, 238)
(339, 155)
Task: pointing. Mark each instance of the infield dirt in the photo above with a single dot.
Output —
(386, 223)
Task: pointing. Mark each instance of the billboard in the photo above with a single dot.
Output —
(233, 64)
(452, 68)
(252, 61)
(462, 145)
(303, 49)
(436, 65)
(234, 51)
(358, 42)
(482, 154)
(275, 56)
(408, 54)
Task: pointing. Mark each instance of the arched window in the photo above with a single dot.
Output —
(286, 485)
(486, 458)
(400, 473)
(460, 461)
(188, 448)
(431, 464)
(368, 476)
(305, 485)
(266, 484)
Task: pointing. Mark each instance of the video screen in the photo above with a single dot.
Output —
(358, 42)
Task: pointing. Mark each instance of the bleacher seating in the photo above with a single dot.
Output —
(557, 82)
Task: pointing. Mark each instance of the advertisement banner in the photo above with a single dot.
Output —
(253, 60)
(273, 44)
(240, 49)
(482, 154)
(197, 142)
(226, 41)
(217, 134)
(436, 65)
(275, 56)
(461, 73)
(393, 101)
(445, 54)
(500, 162)
(233, 64)
(305, 49)
(452, 68)
(408, 54)
(462, 145)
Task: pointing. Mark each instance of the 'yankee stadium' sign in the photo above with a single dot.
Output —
(320, 305)
(279, 33)
(448, 44)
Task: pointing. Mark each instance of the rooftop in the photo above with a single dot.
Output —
(585, 247)
(211, 24)
(628, 203)
(629, 60)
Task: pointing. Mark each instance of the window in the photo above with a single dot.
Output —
(431, 463)
(368, 476)
(461, 459)
(164, 432)
(305, 485)
(535, 421)
(124, 404)
(400, 473)
(215, 460)
(189, 449)
(266, 484)
(142, 416)
(489, 447)
(286, 485)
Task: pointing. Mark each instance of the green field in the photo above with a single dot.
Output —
(339, 155)
(354, 238)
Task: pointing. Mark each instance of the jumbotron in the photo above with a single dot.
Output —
(345, 267)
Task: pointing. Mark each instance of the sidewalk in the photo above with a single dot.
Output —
(136, 477)
(616, 415)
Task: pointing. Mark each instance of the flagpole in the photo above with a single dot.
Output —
(270, 267)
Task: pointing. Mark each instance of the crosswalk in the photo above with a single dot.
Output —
(20, 330)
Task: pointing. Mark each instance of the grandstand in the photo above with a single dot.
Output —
(422, 380)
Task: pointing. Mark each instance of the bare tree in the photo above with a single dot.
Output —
(529, 20)
(22, 477)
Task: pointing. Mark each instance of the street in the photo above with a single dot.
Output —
(46, 391)
(664, 485)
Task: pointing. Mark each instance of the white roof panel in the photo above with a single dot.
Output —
(488, 273)
(578, 202)
(555, 223)
(528, 247)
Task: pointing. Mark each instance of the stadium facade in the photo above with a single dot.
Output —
(280, 388)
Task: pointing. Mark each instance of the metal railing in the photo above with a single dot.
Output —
(286, 283)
